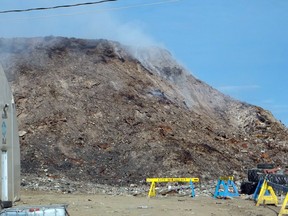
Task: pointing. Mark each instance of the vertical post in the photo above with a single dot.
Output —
(152, 191)
(284, 210)
(217, 188)
(236, 193)
(192, 188)
(4, 175)
(226, 187)
(257, 191)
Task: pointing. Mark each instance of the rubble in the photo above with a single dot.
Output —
(97, 112)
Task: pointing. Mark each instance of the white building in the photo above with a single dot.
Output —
(9, 144)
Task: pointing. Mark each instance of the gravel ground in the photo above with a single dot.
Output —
(116, 205)
(171, 199)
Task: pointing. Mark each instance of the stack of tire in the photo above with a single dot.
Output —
(256, 174)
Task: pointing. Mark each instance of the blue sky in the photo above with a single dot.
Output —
(239, 47)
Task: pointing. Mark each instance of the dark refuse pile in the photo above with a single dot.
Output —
(269, 172)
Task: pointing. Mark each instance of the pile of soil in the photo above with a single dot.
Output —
(101, 112)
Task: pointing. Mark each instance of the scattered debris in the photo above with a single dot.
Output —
(97, 112)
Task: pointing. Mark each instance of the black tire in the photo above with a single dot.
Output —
(254, 175)
(278, 179)
(265, 166)
(6, 204)
(248, 187)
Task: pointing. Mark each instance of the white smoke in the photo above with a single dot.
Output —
(129, 33)
(104, 25)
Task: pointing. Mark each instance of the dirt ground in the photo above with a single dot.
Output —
(100, 204)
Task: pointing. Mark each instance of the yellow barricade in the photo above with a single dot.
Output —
(172, 179)
(152, 191)
(284, 210)
(271, 197)
(267, 199)
(226, 178)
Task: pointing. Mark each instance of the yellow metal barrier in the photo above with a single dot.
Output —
(172, 179)
(267, 199)
(284, 210)
(268, 196)
(152, 190)
(226, 178)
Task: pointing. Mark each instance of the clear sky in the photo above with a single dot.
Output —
(239, 47)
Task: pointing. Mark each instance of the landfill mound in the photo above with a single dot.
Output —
(98, 111)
